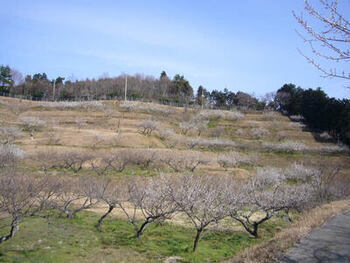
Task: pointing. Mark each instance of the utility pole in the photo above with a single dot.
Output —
(202, 100)
(54, 89)
(126, 86)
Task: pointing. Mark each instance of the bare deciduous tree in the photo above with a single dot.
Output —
(266, 194)
(232, 159)
(107, 192)
(146, 127)
(32, 123)
(47, 159)
(74, 160)
(149, 196)
(183, 160)
(97, 139)
(75, 195)
(10, 155)
(185, 126)
(81, 123)
(118, 160)
(22, 196)
(9, 134)
(329, 32)
(200, 198)
(258, 133)
(145, 157)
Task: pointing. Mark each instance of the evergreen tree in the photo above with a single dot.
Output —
(6, 81)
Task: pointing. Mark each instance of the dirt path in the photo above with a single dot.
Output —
(329, 243)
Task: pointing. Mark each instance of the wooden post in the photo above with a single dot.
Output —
(126, 86)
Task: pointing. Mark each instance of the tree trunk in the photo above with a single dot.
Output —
(111, 207)
(14, 229)
(68, 214)
(195, 243)
(288, 217)
(142, 228)
(253, 232)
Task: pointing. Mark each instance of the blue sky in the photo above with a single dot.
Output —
(239, 45)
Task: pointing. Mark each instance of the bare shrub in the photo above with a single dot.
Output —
(81, 123)
(97, 139)
(4, 103)
(211, 114)
(287, 146)
(154, 108)
(300, 172)
(108, 112)
(190, 143)
(185, 126)
(146, 127)
(198, 125)
(9, 134)
(297, 118)
(118, 126)
(216, 132)
(296, 125)
(275, 125)
(240, 132)
(331, 148)
(52, 136)
(282, 135)
(259, 133)
(252, 124)
(176, 141)
(295, 146)
(32, 123)
(128, 106)
(218, 114)
(117, 161)
(10, 155)
(73, 105)
(233, 159)
(17, 108)
(212, 144)
(145, 157)
(218, 144)
(149, 108)
(271, 115)
(184, 160)
(234, 115)
(165, 133)
(326, 182)
(325, 136)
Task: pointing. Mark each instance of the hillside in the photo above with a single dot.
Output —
(157, 140)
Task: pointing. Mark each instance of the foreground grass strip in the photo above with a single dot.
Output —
(77, 240)
(273, 249)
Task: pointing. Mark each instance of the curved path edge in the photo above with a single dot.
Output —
(328, 243)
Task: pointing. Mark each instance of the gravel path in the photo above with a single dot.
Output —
(329, 243)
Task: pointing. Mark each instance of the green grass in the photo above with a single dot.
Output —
(213, 123)
(58, 239)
